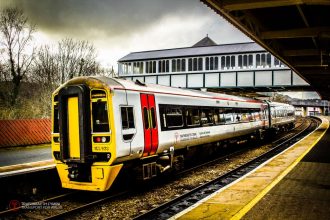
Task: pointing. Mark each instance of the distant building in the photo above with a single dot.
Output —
(209, 65)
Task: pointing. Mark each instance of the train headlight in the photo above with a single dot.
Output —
(104, 139)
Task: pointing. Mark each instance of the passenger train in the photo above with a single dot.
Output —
(101, 125)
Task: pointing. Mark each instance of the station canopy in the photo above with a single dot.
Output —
(295, 31)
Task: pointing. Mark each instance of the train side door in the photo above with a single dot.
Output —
(150, 127)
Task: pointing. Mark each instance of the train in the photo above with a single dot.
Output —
(101, 125)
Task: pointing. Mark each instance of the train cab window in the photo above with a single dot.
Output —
(192, 117)
(206, 117)
(56, 119)
(100, 116)
(127, 117)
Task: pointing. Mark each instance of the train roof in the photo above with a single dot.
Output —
(123, 84)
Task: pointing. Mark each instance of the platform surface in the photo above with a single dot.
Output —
(20, 155)
(19, 160)
(280, 188)
(304, 193)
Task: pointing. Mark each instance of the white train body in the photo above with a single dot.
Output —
(143, 123)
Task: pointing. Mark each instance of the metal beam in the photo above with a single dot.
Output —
(309, 63)
(231, 5)
(323, 32)
(302, 52)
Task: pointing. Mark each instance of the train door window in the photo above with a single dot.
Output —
(127, 117)
(100, 116)
(174, 118)
(56, 119)
(153, 118)
(192, 117)
(206, 117)
(145, 118)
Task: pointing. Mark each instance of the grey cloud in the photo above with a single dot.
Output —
(114, 17)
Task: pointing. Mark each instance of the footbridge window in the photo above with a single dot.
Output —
(211, 63)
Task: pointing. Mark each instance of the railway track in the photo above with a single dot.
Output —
(186, 200)
(96, 199)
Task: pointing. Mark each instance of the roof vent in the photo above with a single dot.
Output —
(138, 82)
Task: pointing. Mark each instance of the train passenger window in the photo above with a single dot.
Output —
(272, 113)
(56, 119)
(262, 115)
(219, 116)
(245, 116)
(256, 116)
(192, 117)
(206, 117)
(237, 116)
(174, 118)
(145, 118)
(127, 117)
(229, 118)
(100, 117)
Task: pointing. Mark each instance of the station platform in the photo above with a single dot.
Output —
(19, 160)
(292, 185)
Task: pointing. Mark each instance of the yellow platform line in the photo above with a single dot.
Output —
(227, 204)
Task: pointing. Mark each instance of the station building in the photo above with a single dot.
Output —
(211, 66)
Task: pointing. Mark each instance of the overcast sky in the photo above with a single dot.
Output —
(117, 27)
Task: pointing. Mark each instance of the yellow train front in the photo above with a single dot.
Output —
(83, 143)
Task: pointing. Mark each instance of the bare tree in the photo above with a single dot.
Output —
(45, 68)
(76, 58)
(16, 38)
